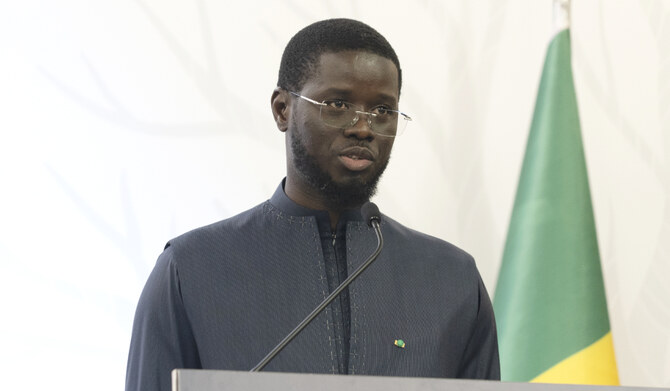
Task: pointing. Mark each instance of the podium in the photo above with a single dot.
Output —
(211, 380)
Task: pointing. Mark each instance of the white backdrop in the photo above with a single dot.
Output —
(125, 123)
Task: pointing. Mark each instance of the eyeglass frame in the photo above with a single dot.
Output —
(355, 120)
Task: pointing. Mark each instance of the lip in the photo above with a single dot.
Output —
(356, 158)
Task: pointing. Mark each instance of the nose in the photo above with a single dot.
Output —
(361, 127)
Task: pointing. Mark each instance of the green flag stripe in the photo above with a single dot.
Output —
(550, 299)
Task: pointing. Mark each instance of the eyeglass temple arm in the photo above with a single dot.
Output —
(307, 99)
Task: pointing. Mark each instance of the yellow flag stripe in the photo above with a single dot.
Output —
(594, 364)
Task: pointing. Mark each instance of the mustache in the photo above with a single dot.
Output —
(359, 143)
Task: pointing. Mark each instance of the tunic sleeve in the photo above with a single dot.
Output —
(481, 360)
(162, 338)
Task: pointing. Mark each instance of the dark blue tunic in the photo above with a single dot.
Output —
(222, 296)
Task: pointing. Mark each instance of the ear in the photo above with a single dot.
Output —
(280, 103)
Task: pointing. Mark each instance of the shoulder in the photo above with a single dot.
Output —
(425, 244)
(210, 240)
(242, 221)
(238, 237)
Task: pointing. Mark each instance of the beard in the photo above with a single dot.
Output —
(348, 195)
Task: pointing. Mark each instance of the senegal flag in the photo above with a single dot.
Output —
(550, 302)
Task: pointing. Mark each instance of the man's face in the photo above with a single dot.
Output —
(342, 166)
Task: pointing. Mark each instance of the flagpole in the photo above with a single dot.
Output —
(561, 15)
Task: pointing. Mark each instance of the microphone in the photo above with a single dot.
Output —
(373, 218)
(371, 214)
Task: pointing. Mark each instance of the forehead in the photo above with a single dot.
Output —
(354, 70)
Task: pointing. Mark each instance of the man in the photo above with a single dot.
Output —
(222, 296)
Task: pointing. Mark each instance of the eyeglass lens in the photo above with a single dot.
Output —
(345, 115)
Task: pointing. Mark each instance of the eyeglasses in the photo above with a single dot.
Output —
(343, 115)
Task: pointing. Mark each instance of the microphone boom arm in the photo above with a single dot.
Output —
(374, 222)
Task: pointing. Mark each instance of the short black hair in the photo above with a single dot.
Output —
(302, 53)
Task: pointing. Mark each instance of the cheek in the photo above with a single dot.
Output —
(319, 137)
(317, 142)
(309, 125)
(386, 146)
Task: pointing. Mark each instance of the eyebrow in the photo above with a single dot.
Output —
(346, 93)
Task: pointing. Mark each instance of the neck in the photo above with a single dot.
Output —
(313, 199)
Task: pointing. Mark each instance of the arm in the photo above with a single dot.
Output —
(162, 338)
(480, 359)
